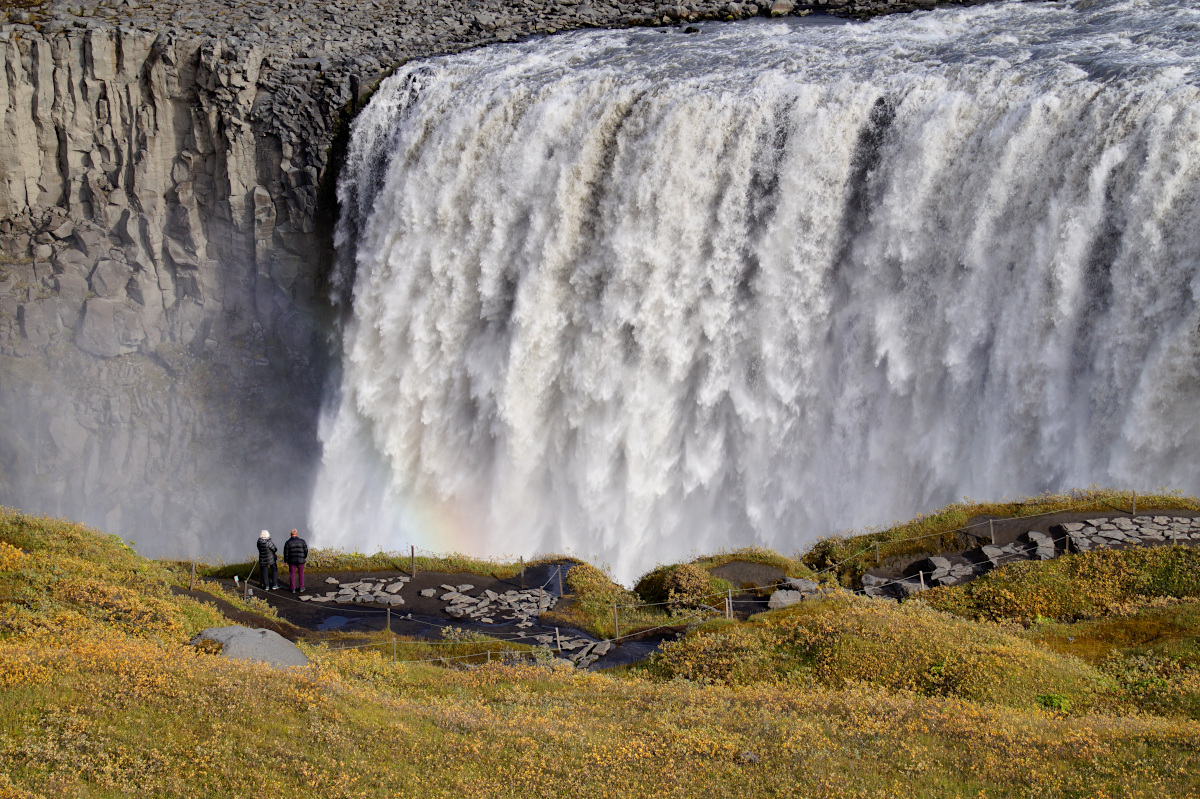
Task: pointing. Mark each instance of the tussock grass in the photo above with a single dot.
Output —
(100, 696)
(844, 639)
(940, 531)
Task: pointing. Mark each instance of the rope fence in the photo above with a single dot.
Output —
(730, 602)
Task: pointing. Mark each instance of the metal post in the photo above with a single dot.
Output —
(192, 580)
(413, 556)
(616, 627)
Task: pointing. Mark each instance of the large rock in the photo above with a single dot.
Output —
(242, 643)
(784, 598)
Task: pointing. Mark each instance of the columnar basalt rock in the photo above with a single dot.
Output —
(163, 236)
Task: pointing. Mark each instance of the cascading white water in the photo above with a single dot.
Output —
(639, 293)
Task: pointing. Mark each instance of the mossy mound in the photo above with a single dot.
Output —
(844, 640)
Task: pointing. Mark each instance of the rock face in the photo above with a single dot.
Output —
(164, 218)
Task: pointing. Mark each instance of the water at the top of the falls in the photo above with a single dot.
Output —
(640, 293)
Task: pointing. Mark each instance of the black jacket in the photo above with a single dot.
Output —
(266, 551)
(295, 550)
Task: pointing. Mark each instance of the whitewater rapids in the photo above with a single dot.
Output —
(637, 294)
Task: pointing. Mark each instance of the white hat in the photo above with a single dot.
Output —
(264, 534)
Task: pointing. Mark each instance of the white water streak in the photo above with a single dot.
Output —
(637, 294)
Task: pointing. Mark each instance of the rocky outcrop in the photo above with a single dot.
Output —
(164, 217)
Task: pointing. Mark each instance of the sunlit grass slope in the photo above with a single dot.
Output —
(100, 696)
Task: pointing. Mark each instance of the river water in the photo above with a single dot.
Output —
(642, 293)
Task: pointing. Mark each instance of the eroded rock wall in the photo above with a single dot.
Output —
(158, 307)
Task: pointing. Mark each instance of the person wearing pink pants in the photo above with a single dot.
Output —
(295, 553)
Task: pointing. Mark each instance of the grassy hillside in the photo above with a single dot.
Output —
(100, 696)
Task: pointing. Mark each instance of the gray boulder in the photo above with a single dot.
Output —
(242, 643)
(803, 586)
(782, 599)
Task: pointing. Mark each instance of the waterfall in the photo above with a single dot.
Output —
(641, 293)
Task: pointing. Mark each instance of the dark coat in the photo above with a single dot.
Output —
(295, 550)
(266, 551)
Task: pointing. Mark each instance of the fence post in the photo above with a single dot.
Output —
(560, 591)
(729, 604)
(413, 561)
(877, 561)
(393, 649)
(522, 572)
(489, 654)
(389, 619)
(616, 627)
(192, 579)
(992, 530)
(922, 581)
(1134, 511)
(558, 640)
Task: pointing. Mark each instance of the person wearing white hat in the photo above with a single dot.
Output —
(266, 562)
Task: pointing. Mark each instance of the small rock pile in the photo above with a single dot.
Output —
(382, 591)
(797, 591)
(520, 606)
(583, 652)
(1109, 533)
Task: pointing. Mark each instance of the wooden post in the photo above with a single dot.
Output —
(413, 556)
(1134, 511)
(729, 604)
(389, 618)
(192, 580)
(616, 627)
(992, 530)
(558, 640)
(522, 572)
(877, 561)
(393, 646)
(489, 654)
(560, 591)
(922, 581)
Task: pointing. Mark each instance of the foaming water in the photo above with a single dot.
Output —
(638, 293)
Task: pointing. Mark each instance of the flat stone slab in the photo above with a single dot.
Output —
(243, 643)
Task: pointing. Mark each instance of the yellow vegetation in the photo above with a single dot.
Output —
(100, 696)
